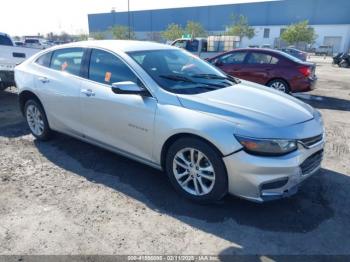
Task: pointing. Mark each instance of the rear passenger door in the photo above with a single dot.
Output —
(57, 76)
(261, 67)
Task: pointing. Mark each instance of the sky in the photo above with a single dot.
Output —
(30, 17)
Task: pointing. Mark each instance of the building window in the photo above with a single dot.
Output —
(267, 33)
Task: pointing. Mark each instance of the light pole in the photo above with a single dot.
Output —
(129, 19)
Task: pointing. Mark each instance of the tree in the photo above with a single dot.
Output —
(122, 32)
(173, 32)
(195, 29)
(240, 27)
(298, 33)
(83, 37)
(97, 35)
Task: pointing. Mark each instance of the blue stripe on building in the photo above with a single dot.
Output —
(215, 18)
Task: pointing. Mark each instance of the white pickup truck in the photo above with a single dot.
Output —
(10, 56)
(207, 47)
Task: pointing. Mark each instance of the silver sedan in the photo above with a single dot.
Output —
(211, 133)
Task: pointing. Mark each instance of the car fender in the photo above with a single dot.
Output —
(170, 121)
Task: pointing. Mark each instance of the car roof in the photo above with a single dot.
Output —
(268, 50)
(120, 45)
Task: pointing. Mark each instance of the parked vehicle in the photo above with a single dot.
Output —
(268, 67)
(10, 56)
(337, 58)
(19, 43)
(159, 105)
(36, 43)
(296, 53)
(324, 50)
(342, 60)
(207, 47)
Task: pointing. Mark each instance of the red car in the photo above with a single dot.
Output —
(268, 67)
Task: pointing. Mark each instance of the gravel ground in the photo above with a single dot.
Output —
(68, 197)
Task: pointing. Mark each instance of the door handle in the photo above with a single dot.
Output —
(43, 79)
(87, 92)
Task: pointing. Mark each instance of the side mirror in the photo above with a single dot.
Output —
(128, 88)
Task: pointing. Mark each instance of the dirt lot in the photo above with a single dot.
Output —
(68, 197)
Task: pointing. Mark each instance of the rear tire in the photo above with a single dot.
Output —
(36, 120)
(344, 64)
(200, 164)
(279, 85)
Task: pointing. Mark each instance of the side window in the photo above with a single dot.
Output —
(192, 46)
(45, 59)
(68, 60)
(274, 60)
(106, 68)
(262, 59)
(204, 46)
(4, 40)
(267, 33)
(233, 58)
(180, 43)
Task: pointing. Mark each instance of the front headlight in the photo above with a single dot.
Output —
(271, 147)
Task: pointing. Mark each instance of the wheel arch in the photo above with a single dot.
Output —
(289, 87)
(24, 96)
(172, 139)
(278, 78)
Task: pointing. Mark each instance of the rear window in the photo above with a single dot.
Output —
(290, 57)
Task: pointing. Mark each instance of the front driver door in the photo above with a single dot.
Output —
(121, 121)
(233, 64)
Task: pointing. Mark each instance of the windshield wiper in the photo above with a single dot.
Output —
(188, 80)
(177, 78)
(208, 76)
(213, 76)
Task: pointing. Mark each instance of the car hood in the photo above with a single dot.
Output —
(252, 108)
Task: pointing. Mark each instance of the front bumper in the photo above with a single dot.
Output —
(260, 178)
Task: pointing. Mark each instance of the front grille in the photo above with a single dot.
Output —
(311, 163)
(311, 140)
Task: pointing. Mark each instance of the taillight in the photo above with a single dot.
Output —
(305, 71)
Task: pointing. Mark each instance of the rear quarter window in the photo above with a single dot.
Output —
(44, 60)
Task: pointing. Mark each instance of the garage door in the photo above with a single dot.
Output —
(334, 41)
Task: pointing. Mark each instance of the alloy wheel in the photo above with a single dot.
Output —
(193, 171)
(280, 86)
(35, 120)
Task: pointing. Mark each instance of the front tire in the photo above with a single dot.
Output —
(279, 85)
(196, 170)
(36, 120)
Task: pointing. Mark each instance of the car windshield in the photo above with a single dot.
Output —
(180, 72)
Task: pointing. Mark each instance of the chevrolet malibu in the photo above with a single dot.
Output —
(211, 133)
